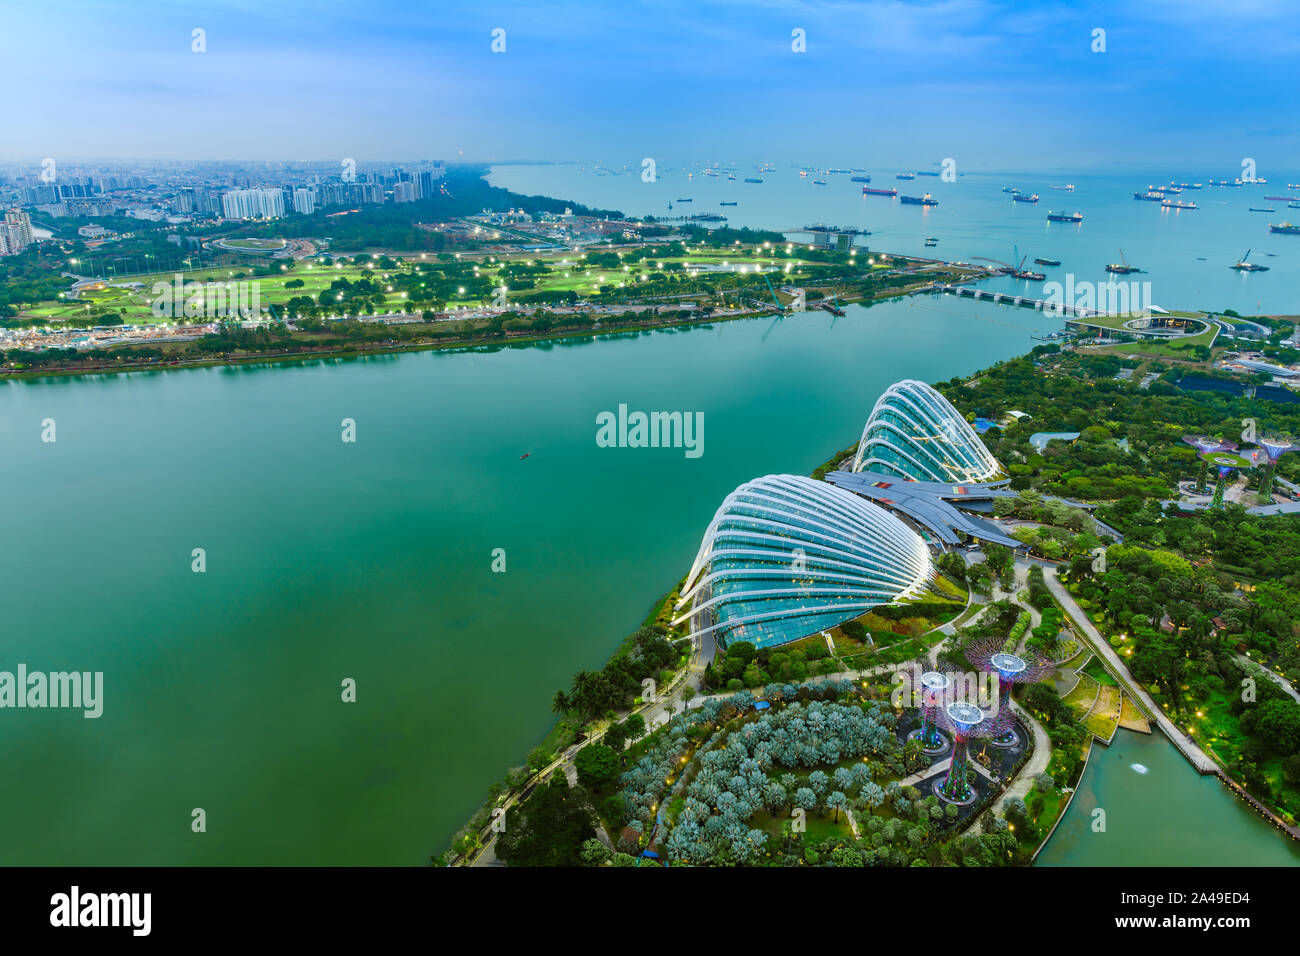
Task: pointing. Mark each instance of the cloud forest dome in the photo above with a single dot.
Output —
(786, 556)
(914, 432)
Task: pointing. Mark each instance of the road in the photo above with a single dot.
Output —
(1199, 759)
(667, 703)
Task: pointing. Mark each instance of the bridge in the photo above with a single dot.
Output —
(1025, 301)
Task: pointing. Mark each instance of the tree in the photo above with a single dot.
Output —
(549, 828)
(594, 853)
(635, 725)
(837, 802)
(597, 766)
(616, 737)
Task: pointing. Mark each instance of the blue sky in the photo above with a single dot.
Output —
(993, 84)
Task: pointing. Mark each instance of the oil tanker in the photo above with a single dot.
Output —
(868, 191)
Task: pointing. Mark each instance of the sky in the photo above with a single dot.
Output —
(993, 84)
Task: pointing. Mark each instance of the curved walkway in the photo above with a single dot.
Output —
(1199, 759)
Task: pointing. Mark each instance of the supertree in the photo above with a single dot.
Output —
(934, 688)
(990, 655)
(965, 722)
(1275, 446)
(1206, 445)
(1225, 462)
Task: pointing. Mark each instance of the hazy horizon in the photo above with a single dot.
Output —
(995, 85)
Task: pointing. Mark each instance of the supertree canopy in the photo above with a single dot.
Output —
(964, 721)
(1274, 446)
(990, 655)
(1205, 446)
(1225, 462)
(934, 687)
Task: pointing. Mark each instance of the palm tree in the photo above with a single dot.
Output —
(560, 703)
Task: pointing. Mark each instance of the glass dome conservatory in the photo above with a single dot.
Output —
(786, 556)
(914, 432)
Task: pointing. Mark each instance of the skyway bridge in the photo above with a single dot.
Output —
(1025, 301)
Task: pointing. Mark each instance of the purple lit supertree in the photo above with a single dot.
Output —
(934, 688)
(1205, 446)
(990, 656)
(1275, 446)
(964, 721)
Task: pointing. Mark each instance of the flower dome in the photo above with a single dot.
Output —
(786, 556)
(914, 432)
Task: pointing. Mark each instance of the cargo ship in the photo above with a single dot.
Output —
(686, 200)
(906, 176)
(1011, 189)
(925, 200)
(1244, 266)
(859, 179)
(1187, 185)
(819, 182)
(750, 179)
(1293, 205)
(931, 241)
(1021, 197)
(1178, 204)
(1262, 209)
(927, 173)
(1150, 196)
(726, 203)
(1068, 187)
(1282, 198)
(1047, 262)
(868, 191)
(1064, 217)
(1285, 228)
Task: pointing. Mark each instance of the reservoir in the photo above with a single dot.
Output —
(327, 561)
(1160, 812)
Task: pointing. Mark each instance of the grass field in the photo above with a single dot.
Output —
(1104, 718)
(568, 273)
(1084, 695)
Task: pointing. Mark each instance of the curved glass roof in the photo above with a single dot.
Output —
(786, 556)
(914, 432)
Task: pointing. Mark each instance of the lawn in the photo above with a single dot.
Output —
(819, 827)
(1098, 672)
(1084, 694)
(1104, 717)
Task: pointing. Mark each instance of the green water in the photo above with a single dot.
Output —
(372, 561)
(1160, 812)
